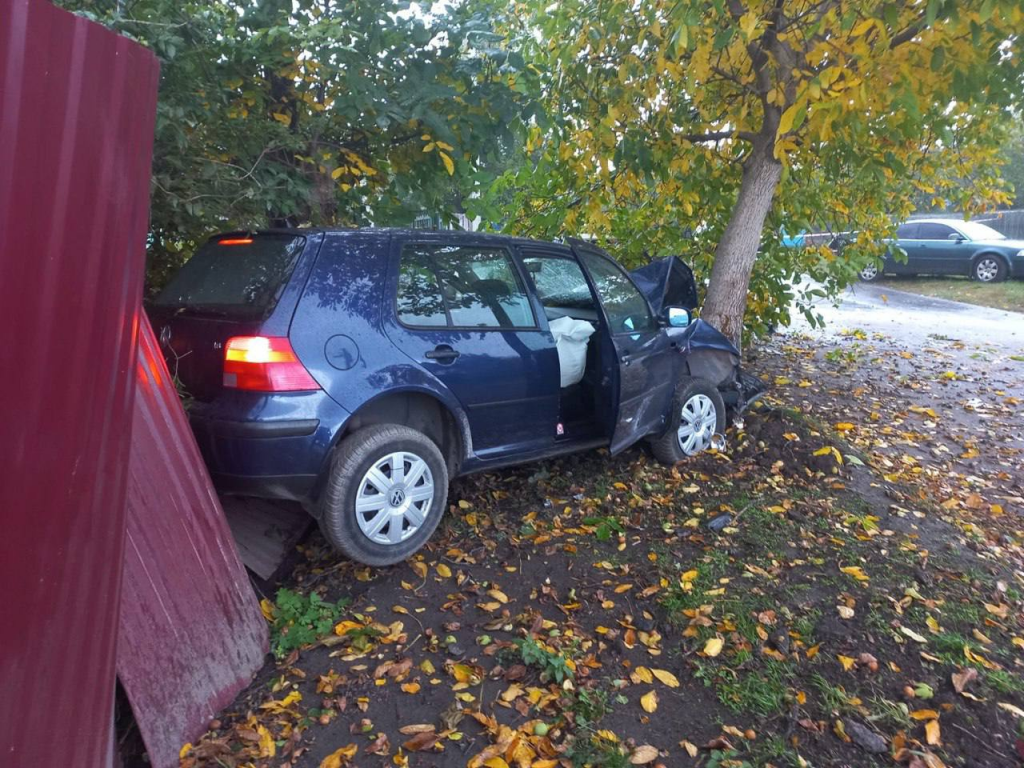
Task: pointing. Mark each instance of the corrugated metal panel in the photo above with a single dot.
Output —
(77, 105)
(191, 632)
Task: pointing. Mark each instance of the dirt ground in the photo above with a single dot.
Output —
(861, 605)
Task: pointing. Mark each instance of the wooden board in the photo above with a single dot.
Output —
(265, 531)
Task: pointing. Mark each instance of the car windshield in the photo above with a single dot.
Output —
(975, 230)
(237, 277)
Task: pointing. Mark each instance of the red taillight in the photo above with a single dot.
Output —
(264, 364)
(235, 241)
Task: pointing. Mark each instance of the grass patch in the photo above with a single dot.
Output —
(1008, 294)
(759, 691)
(300, 620)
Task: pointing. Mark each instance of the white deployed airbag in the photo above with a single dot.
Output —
(571, 337)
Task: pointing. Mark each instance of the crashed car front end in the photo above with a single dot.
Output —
(710, 355)
(669, 282)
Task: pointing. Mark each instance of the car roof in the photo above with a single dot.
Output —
(454, 234)
(934, 220)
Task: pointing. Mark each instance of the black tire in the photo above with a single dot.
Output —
(988, 268)
(666, 447)
(353, 459)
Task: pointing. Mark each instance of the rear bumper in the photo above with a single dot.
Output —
(271, 446)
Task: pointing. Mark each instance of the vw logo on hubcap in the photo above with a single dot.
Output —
(397, 497)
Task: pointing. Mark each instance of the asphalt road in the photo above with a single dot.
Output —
(913, 319)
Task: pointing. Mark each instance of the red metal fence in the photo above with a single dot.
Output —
(76, 130)
(191, 631)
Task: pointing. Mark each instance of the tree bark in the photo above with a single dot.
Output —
(726, 300)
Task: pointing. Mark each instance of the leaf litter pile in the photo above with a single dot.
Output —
(843, 585)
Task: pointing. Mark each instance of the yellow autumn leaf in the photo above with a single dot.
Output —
(267, 608)
(924, 714)
(498, 595)
(913, 635)
(713, 646)
(429, 147)
(443, 570)
(932, 733)
(786, 121)
(495, 762)
(339, 757)
(847, 662)
(344, 627)
(282, 118)
(643, 674)
(608, 735)
(420, 568)
(856, 571)
(690, 747)
(982, 637)
(666, 677)
(267, 746)
(689, 576)
(411, 687)
(823, 451)
(623, 588)
(649, 701)
(337, 172)
(1013, 709)
(643, 755)
(448, 163)
(844, 426)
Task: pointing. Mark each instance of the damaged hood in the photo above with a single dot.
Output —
(667, 282)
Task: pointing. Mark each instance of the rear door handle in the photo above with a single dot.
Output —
(442, 353)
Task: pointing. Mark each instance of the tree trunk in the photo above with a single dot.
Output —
(734, 258)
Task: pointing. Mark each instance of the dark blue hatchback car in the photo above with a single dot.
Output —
(357, 371)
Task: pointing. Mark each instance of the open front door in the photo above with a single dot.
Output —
(644, 376)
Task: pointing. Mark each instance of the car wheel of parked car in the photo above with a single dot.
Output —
(870, 273)
(698, 413)
(989, 269)
(385, 495)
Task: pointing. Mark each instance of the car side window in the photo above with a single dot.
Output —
(930, 230)
(461, 287)
(625, 306)
(419, 295)
(560, 282)
(907, 231)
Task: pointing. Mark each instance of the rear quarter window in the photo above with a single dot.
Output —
(240, 277)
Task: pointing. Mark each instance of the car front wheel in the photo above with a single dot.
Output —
(386, 492)
(989, 269)
(698, 414)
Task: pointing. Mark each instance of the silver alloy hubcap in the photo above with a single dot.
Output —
(987, 270)
(697, 424)
(394, 498)
(869, 272)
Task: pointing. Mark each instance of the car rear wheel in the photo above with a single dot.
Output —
(698, 414)
(870, 273)
(385, 495)
(989, 269)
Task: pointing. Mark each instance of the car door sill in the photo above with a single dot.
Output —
(477, 464)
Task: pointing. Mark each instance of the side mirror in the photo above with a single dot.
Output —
(677, 317)
(956, 236)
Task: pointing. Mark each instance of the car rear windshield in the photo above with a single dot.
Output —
(238, 277)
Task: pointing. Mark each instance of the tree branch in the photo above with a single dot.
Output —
(698, 138)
